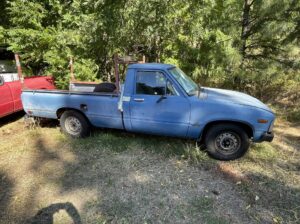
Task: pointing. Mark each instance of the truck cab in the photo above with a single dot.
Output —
(11, 86)
(154, 103)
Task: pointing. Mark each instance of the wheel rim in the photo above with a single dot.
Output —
(73, 125)
(228, 143)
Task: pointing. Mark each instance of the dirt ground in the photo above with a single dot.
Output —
(117, 177)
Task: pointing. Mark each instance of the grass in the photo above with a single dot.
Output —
(273, 173)
(206, 206)
(118, 177)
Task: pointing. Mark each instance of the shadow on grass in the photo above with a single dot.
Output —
(293, 140)
(46, 215)
(115, 142)
(11, 118)
(121, 166)
(277, 201)
(269, 174)
(119, 141)
(293, 137)
(49, 123)
(6, 188)
(131, 174)
(43, 155)
(36, 122)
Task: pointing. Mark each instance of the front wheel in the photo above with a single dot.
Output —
(74, 124)
(226, 141)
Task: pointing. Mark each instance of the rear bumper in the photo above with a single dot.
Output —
(267, 136)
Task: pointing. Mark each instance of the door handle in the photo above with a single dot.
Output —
(162, 97)
(138, 99)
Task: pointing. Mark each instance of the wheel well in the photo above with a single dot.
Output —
(60, 111)
(244, 126)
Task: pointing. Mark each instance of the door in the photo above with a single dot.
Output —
(6, 100)
(16, 89)
(156, 107)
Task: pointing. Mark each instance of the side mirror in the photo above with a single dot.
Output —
(162, 97)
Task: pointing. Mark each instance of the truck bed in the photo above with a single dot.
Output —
(100, 108)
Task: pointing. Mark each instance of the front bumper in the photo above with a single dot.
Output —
(267, 136)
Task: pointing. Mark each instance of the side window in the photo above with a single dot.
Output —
(1, 81)
(150, 83)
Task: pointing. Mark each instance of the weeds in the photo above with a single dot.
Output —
(117, 177)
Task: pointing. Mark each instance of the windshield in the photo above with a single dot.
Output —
(186, 82)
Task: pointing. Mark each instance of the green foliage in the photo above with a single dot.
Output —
(2, 36)
(246, 45)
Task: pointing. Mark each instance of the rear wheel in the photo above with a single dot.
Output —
(74, 124)
(226, 141)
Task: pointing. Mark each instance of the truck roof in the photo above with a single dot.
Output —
(151, 66)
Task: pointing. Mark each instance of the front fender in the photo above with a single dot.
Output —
(204, 113)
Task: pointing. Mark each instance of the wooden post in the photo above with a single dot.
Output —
(18, 64)
(143, 61)
(245, 28)
(72, 70)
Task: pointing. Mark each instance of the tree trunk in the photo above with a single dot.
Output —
(245, 27)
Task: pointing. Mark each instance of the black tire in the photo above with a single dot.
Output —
(74, 124)
(105, 87)
(226, 141)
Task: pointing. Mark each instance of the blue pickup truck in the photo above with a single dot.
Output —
(160, 99)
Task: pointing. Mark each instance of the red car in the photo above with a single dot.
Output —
(11, 87)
